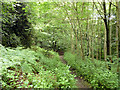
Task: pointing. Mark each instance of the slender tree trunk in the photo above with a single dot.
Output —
(89, 41)
(118, 36)
(72, 40)
(76, 39)
(87, 34)
(100, 47)
(88, 37)
(118, 33)
(97, 40)
(92, 41)
(110, 40)
(117, 29)
(105, 45)
(90, 46)
(119, 26)
(109, 33)
(117, 43)
(106, 28)
(101, 24)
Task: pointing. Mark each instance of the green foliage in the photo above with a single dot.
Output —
(34, 68)
(49, 34)
(55, 26)
(64, 78)
(16, 28)
(44, 79)
(94, 71)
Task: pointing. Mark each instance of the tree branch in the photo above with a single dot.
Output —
(112, 4)
(98, 10)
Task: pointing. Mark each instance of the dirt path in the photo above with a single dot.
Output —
(80, 82)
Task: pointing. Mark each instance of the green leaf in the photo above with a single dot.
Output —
(26, 68)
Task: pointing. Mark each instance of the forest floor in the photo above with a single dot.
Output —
(81, 83)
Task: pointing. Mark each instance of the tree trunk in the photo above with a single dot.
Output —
(89, 41)
(117, 28)
(72, 44)
(106, 28)
(98, 40)
(89, 46)
(92, 41)
(118, 33)
(105, 46)
(76, 39)
(110, 40)
(106, 33)
(100, 47)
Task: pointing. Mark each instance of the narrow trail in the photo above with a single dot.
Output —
(80, 82)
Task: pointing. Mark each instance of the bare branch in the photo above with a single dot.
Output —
(98, 10)
(112, 3)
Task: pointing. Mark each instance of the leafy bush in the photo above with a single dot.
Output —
(33, 68)
(94, 71)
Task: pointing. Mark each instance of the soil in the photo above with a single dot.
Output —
(81, 83)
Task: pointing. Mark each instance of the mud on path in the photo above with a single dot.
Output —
(80, 82)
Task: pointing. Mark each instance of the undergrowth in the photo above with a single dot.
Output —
(94, 71)
(33, 68)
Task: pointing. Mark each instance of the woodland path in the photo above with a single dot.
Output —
(80, 82)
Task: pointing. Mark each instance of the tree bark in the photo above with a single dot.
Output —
(92, 41)
(110, 40)
(118, 34)
(98, 40)
(105, 46)
(89, 40)
(107, 28)
(117, 28)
